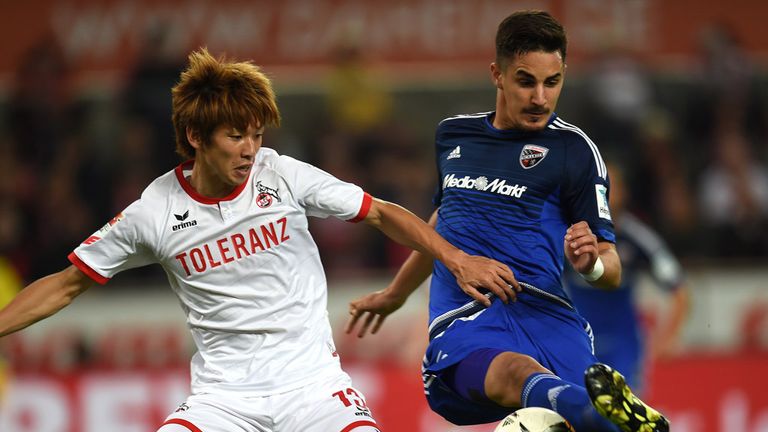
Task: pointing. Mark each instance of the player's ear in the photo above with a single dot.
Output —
(496, 76)
(194, 139)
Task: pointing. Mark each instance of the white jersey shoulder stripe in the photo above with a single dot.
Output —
(460, 116)
(558, 124)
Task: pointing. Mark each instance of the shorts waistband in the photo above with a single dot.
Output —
(443, 321)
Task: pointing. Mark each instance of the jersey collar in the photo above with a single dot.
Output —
(179, 170)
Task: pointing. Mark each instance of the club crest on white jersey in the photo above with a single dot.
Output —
(266, 195)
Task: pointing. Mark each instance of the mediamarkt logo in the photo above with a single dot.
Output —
(481, 183)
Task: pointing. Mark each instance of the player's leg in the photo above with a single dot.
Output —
(329, 405)
(488, 384)
(614, 400)
(215, 414)
(516, 380)
(568, 354)
(554, 346)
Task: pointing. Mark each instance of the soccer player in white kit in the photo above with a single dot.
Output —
(229, 226)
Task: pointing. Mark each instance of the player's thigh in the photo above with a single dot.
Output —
(205, 414)
(331, 405)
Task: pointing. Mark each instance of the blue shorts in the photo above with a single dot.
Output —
(554, 335)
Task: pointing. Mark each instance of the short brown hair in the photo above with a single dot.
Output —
(214, 92)
(528, 31)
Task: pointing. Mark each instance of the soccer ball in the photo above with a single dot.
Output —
(534, 419)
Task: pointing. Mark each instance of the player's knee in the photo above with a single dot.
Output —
(506, 377)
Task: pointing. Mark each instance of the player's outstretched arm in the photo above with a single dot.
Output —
(597, 262)
(372, 309)
(43, 298)
(471, 272)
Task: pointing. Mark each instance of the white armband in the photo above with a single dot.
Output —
(596, 273)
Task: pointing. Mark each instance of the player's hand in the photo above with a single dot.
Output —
(372, 309)
(580, 247)
(476, 272)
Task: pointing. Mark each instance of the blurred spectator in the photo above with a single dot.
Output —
(363, 143)
(733, 181)
(627, 119)
(658, 179)
(146, 99)
(620, 97)
(63, 218)
(43, 128)
(733, 194)
(40, 110)
(357, 98)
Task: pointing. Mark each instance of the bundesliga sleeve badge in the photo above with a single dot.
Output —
(104, 230)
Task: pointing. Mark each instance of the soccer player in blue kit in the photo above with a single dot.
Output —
(520, 185)
(620, 339)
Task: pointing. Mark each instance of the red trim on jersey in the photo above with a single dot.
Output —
(85, 268)
(184, 423)
(195, 195)
(365, 207)
(358, 424)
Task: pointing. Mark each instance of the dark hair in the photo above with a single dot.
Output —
(527, 31)
(215, 92)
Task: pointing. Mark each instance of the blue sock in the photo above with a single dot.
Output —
(568, 399)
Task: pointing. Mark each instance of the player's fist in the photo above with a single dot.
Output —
(580, 246)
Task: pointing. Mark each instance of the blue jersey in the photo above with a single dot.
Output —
(612, 314)
(510, 195)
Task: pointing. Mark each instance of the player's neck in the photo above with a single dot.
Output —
(205, 182)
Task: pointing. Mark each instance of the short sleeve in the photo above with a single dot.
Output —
(322, 194)
(119, 245)
(586, 187)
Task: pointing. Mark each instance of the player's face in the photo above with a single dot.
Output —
(528, 90)
(226, 161)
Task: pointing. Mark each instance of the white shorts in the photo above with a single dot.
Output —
(330, 405)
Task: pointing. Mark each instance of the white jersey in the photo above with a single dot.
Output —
(245, 269)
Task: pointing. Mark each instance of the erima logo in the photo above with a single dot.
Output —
(181, 218)
(455, 153)
(481, 183)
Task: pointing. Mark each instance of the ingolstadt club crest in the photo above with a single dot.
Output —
(531, 155)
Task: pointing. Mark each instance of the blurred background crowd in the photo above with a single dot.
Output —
(692, 138)
(677, 97)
